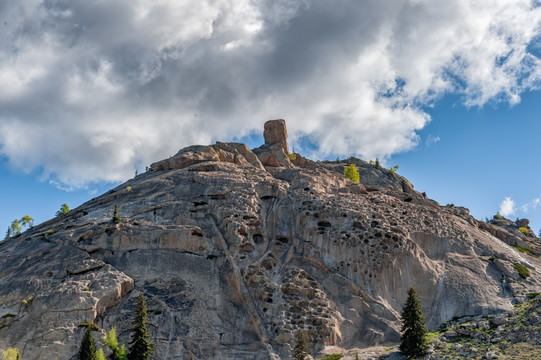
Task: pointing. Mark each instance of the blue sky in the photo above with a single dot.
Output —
(93, 90)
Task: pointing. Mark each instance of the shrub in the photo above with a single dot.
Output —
(351, 173)
(292, 156)
(522, 270)
(523, 230)
(394, 169)
(533, 295)
(116, 217)
(498, 216)
(110, 340)
(11, 354)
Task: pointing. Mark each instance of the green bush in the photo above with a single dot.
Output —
(523, 230)
(522, 270)
(352, 173)
(394, 169)
(532, 295)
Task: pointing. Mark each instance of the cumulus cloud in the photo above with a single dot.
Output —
(507, 207)
(93, 89)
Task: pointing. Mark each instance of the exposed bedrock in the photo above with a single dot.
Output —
(235, 256)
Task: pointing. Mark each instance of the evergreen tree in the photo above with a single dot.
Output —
(140, 345)
(300, 349)
(413, 342)
(87, 350)
(116, 216)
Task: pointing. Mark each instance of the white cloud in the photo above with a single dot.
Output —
(532, 205)
(92, 90)
(431, 140)
(507, 207)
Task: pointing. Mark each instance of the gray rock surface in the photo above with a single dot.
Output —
(234, 256)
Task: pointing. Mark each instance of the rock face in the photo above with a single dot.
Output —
(276, 133)
(235, 255)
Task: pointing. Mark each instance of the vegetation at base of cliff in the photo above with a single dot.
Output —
(352, 173)
(522, 270)
(87, 350)
(512, 335)
(300, 351)
(414, 340)
(332, 357)
(110, 340)
(141, 347)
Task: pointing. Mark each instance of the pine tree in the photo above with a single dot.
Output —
(413, 342)
(299, 351)
(87, 350)
(140, 345)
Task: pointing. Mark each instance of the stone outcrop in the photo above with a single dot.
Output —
(275, 152)
(235, 255)
(276, 133)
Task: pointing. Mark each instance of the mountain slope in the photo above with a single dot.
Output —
(237, 249)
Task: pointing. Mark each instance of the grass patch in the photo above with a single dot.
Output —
(48, 232)
(332, 357)
(524, 250)
(532, 295)
(522, 270)
(7, 316)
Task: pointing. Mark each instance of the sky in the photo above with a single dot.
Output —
(93, 90)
